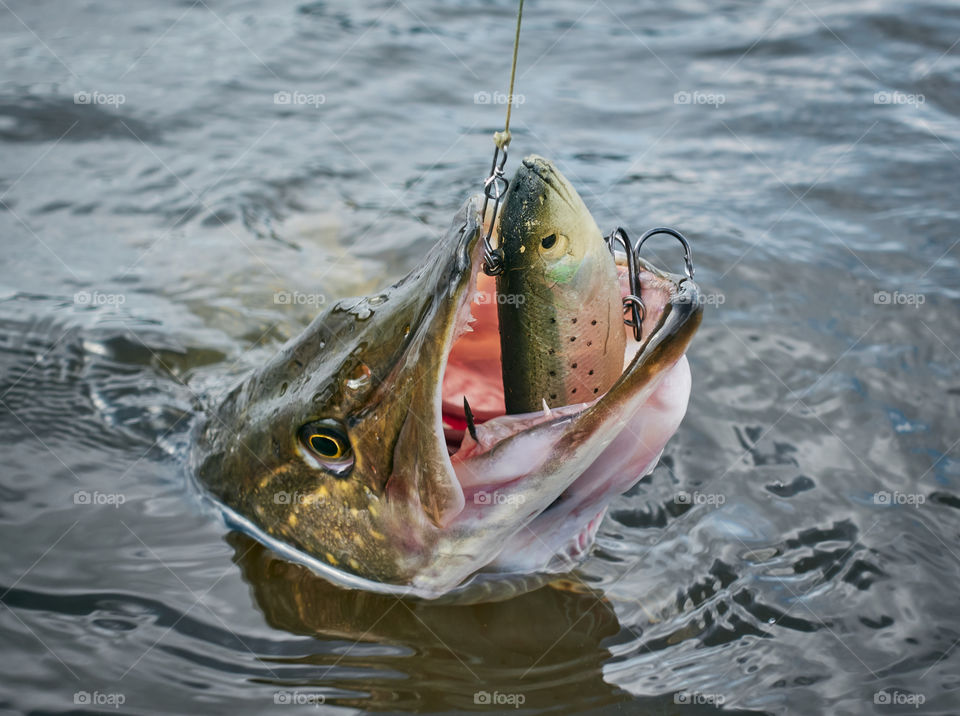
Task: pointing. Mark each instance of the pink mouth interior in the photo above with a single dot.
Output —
(474, 368)
(474, 363)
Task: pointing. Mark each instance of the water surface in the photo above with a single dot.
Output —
(798, 549)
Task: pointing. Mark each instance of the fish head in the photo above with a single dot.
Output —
(348, 450)
(335, 447)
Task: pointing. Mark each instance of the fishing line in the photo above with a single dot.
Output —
(513, 74)
(495, 185)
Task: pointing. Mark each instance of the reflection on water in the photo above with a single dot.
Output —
(385, 650)
(796, 551)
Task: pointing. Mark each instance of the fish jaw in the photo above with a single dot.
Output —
(591, 451)
(547, 544)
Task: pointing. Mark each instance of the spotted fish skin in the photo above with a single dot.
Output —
(558, 298)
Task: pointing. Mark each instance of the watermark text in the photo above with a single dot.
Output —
(485, 698)
(711, 99)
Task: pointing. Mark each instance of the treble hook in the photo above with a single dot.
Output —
(687, 253)
(632, 301)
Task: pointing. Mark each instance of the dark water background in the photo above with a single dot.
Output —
(816, 565)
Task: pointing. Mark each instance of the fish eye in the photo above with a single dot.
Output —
(328, 446)
(326, 441)
(548, 242)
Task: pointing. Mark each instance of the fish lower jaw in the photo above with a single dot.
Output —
(554, 552)
(495, 430)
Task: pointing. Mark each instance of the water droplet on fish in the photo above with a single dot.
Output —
(359, 378)
(359, 307)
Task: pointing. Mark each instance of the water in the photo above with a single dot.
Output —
(796, 552)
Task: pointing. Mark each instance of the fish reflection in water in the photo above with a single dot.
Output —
(365, 640)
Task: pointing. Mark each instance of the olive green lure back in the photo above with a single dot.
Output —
(558, 299)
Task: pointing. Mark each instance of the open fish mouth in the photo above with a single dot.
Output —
(600, 446)
(415, 504)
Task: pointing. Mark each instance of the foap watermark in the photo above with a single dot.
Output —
(697, 698)
(497, 498)
(895, 97)
(99, 698)
(894, 697)
(296, 498)
(295, 98)
(485, 698)
(899, 298)
(96, 298)
(484, 97)
(99, 98)
(511, 299)
(296, 697)
(711, 99)
(84, 497)
(699, 498)
(899, 498)
(296, 298)
(715, 299)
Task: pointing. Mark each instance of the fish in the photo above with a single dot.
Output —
(349, 451)
(558, 295)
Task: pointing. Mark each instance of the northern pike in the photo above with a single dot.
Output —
(558, 297)
(349, 451)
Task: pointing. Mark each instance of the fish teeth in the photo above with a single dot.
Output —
(546, 409)
(471, 425)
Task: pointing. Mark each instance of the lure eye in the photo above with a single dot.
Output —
(553, 246)
(327, 442)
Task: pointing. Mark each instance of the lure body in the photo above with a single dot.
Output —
(558, 297)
